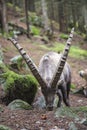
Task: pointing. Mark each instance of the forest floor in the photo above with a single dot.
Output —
(32, 119)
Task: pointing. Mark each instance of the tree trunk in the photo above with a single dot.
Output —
(61, 16)
(31, 5)
(27, 19)
(3, 20)
(45, 16)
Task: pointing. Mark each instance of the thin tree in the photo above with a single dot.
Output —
(27, 18)
(31, 5)
(3, 16)
(47, 27)
(45, 15)
(61, 16)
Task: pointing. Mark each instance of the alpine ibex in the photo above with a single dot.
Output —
(52, 75)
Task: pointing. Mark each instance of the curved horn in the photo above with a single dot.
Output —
(30, 63)
(61, 64)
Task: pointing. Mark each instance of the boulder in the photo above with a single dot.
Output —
(17, 86)
(19, 105)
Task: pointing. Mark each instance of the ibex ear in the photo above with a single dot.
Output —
(30, 63)
(63, 58)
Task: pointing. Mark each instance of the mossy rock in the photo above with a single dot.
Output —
(18, 63)
(19, 105)
(72, 126)
(2, 127)
(18, 86)
(72, 112)
(66, 112)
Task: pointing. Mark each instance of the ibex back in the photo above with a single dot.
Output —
(53, 74)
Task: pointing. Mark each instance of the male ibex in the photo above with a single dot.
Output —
(51, 76)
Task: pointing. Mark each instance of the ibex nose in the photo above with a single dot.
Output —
(49, 108)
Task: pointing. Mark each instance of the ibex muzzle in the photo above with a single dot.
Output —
(53, 74)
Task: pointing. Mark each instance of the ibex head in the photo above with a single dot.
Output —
(51, 64)
(47, 68)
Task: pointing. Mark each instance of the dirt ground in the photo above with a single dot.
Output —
(33, 119)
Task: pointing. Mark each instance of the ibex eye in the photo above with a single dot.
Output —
(43, 91)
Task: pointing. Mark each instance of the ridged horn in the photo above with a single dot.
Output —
(30, 63)
(61, 64)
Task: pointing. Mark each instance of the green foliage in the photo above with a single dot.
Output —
(64, 36)
(10, 5)
(73, 86)
(11, 34)
(35, 20)
(35, 30)
(17, 9)
(6, 35)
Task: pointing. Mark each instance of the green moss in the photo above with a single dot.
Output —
(65, 111)
(3, 127)
(73, 86)
(3, 67)
(19, 104)
(9, 81)
(72, 112)
(78, 52)
(75, 51)
(64, 36)
(82, 109)
(35, 30)
(19, 86)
